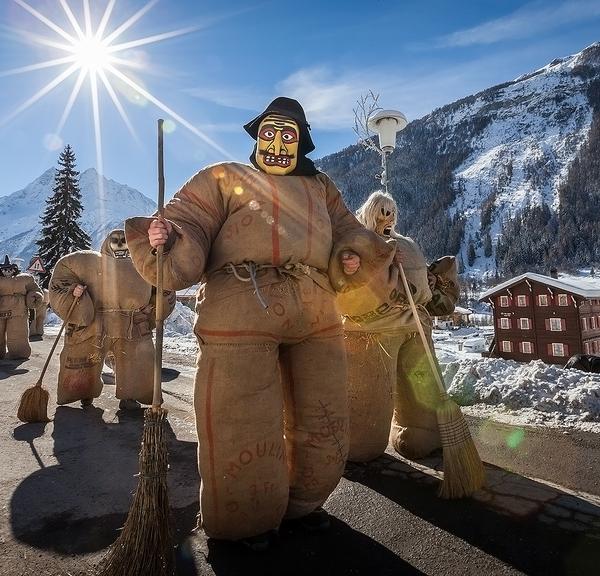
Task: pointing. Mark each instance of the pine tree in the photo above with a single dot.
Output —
(61, 233)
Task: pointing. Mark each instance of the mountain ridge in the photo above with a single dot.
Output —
(106, 203)
(464, 170)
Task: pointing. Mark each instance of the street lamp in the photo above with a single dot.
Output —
(386, 123)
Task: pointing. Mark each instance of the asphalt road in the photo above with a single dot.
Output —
(65, 490)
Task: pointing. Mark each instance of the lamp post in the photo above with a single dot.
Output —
(386, 123)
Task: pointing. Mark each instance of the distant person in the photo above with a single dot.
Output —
(40, 311)
(389, 376)
(18, 292)
(114, 316)
(271, 243)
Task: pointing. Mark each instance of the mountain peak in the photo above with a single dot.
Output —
(103, 210)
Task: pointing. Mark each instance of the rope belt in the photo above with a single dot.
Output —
(251, 269)
(127, 312)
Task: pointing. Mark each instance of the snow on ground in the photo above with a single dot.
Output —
(179, 334)
(533, 393)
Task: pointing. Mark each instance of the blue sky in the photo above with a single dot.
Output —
(236, 56)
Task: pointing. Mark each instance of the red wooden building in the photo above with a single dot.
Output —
(543, 317)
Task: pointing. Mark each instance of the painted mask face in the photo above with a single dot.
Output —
(277, 145)
(386, 220)
(8, 272)
(118, 245)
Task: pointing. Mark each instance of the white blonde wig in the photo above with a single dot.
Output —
(379, 208)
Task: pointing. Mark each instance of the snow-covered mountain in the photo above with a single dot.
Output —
(464, 169)
(106, 204)
(521, 157)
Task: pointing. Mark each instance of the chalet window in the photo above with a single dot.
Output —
(526, 348)
(505, 323)
(504, 301)
(506, 346)
(555, 324)
(543, 300)
(524, 324)
(558, 349)
(584, 324)
(563, 299)
(592, 322)
(521, 300)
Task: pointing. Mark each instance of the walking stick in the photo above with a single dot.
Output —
(463, 469)
(145, 547)
(33, 406)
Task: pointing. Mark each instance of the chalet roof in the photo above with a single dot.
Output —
(584, 287)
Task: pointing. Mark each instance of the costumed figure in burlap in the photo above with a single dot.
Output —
(389, 376)
(40, 310)
(114, 315)
(270, 243)
(18, 293)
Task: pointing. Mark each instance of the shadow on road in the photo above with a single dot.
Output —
(10, 368)
(295, 552)
(533, 527)
(78, 505)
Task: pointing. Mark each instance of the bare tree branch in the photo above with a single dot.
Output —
(367, 105)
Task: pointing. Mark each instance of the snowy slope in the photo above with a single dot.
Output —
(536, 126)
(106, 204)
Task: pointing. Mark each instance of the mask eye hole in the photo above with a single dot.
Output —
(383, 212)
(387, 213)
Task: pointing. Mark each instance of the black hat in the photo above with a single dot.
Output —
(289, 108)
(7, 263)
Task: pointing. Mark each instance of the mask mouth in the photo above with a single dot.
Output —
(121, 253)
(282, 160)
(387, 231)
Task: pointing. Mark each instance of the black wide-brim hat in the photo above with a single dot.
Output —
(289, 108)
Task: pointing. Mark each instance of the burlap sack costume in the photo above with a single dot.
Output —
(270, 397)
(18, 293)
(40, 311)
(114, 315)
(389, 376)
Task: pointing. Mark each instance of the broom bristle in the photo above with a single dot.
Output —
(33, 406)
(463, 469)
(144, 546)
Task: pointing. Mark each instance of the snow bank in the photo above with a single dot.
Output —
(545, 394)
(179, 331)
(180, 321)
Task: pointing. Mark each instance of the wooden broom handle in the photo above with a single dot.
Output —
(432, 362)
(157, 393)
(71, 308)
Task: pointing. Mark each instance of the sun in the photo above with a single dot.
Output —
(91, 55)
(90, 52)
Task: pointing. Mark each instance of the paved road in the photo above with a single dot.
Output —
(65, 490)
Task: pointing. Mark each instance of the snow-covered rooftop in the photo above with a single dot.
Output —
(585, 287)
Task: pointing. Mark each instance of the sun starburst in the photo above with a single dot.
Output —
(93, 54)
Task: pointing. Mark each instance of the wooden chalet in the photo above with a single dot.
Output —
(543, 317)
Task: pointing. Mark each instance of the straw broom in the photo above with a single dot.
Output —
(33, 406)
(463, 469)
(145, 547)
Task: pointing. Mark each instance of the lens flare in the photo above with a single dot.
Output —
(515, 438)
(92, 54)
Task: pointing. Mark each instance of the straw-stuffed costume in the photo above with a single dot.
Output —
(18, 293)
(267, 241)
(40, 310)
(115, 314)
(390, 379)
